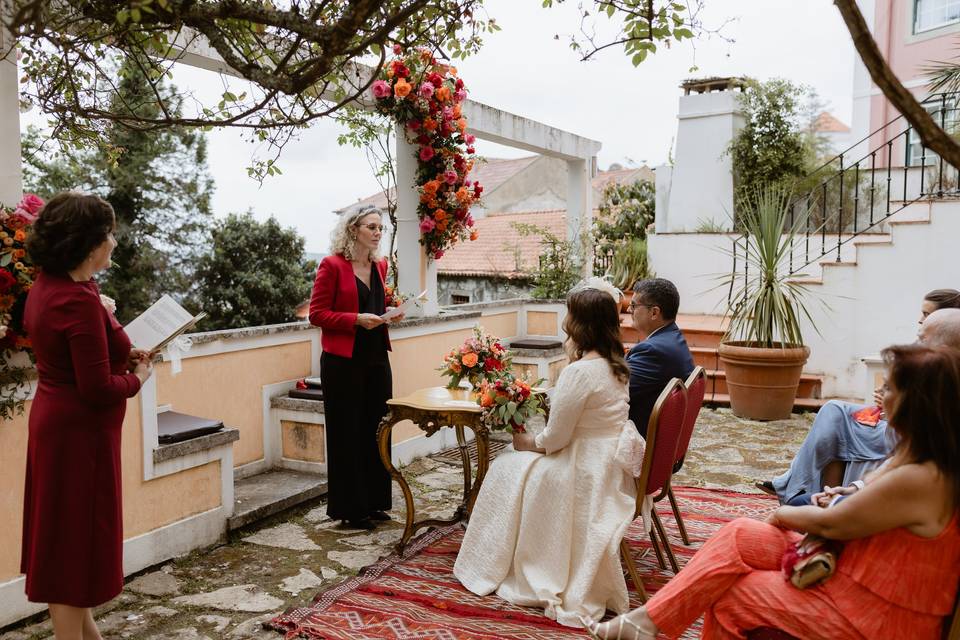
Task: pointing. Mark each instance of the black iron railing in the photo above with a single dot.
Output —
(844, 199)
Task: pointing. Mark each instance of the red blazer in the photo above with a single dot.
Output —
(333, 305)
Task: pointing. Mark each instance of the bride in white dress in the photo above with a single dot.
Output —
(546, 527)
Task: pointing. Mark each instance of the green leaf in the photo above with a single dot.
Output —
(6, 258)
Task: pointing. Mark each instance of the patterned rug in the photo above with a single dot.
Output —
(416, 595)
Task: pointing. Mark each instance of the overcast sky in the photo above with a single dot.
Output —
(524, 70)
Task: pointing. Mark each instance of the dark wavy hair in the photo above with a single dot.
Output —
(944, 298)
(926, 408)
(69, 227)
(593, 324)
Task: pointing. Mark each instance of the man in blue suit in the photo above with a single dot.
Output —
(663, 354)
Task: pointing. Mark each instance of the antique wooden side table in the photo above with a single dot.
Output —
(431, 409)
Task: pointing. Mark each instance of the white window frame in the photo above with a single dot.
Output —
(915, 147)
(941, 5)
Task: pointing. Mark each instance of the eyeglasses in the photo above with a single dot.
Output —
(374, 227)
(633, 305)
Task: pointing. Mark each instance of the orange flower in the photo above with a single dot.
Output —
(462, 124)
(425, 198)
(457, 111)
(443, 93)
(455, 367)
(430, 124)
(20, 235)
(469, 359)
(439, 215)
(464, 195)
(19, 253)
(402, 88)
(486, 400)
(474, 234)
(431, 186)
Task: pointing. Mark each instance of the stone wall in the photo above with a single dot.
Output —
(480, 289)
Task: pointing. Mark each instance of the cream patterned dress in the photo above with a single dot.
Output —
(545, 530)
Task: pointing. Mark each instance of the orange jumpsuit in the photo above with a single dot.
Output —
(892, 585)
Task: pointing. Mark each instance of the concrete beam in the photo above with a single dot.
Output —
(502, 127)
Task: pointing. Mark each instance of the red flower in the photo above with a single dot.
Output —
(459, 83)
(426, 153)
(6, 280)
(470, 150)
(492, 364)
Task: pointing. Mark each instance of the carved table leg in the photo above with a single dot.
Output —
(467, 470)
(384, 432)
(482, 438)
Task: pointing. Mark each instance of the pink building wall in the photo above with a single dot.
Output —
(908, 54)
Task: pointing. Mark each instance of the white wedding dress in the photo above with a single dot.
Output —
(545, 530)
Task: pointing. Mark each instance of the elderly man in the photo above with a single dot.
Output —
(663, 354)
(940, 328)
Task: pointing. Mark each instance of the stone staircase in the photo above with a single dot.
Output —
(703, 334)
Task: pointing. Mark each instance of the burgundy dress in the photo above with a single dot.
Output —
(72, 514)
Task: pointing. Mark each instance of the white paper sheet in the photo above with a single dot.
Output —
(404, 307)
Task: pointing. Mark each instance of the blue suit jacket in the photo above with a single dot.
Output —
(653, 362)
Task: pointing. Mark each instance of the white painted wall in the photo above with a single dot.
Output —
(10, 178)
(701, 185)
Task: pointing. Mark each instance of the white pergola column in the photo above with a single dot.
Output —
(11, 180)
(416, 272)
(580, 209)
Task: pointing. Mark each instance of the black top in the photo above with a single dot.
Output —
(371, 344)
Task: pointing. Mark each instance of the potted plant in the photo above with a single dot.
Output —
(629, 265)
(763, 352)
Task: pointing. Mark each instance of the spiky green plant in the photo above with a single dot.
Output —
(768, 303)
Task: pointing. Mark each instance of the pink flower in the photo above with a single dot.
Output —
(437, 255)
(450, 176)
(427, 225)
(397, 49)
(31, 203)
(426, 153)
(469, 138)
(426, 90)
(25, 216)
(469, 222)
(460, 95)
(448, 113)
(381, 89)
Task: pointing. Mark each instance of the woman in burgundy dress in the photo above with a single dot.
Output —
(347, 302)
(72, 520)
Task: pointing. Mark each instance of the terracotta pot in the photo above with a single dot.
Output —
(625, 299)
(762, 382)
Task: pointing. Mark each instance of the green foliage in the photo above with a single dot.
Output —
(297, 61)
(625, 212)
(642, 24)
(253, 274)
(559, 267)
(768, 304)
(777, 144)
(630, 264)
(157, 183)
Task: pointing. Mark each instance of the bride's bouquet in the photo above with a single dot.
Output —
(479, 358)
(507, 404)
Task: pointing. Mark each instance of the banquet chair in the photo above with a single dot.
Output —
(663, 434)
(696, 385)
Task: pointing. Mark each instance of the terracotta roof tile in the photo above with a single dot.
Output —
(501, 250)
(828, 123)
(622, 176)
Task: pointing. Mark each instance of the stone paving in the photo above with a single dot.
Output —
(228, 591)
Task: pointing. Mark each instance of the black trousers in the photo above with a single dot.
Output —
(355, 394)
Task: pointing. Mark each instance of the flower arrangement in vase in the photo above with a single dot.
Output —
(479, 358)
(424, 96)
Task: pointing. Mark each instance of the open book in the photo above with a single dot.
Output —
(159, 325)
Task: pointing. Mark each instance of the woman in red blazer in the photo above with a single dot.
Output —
(72, 512)
(347, 302)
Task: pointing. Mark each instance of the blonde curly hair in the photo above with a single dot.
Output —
(343, 238)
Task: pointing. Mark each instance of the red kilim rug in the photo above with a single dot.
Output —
(416, 595)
